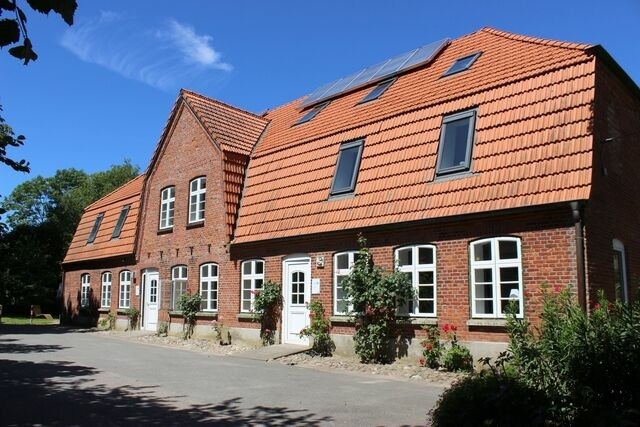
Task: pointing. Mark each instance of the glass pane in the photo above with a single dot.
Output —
(484, 291)
(342, 262)
(246, 305)
(504, 304)
(425, 256)
(425, 277)
(246, 268)
(346, 169)
(456, 137)
(425, 306)
(340, 293)
(246, 295)
(246, 284)
(425, 292)
(342, 306)
(409, 276)
(405, 257)
(510, 291)
(508, 249)
(483, 275)
(484, 307)
(509, 274)
(258, 284)
(259, 267)
(482, 251)
(213, 270)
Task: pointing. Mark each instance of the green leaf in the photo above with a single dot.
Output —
(65, 8)
(9, 32)
(24, 52)
(7, 5)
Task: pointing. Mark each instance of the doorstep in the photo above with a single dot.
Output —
(272, 352)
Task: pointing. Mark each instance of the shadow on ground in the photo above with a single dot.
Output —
(62, 393)
(6, 329)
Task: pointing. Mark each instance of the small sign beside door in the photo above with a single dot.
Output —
(315, 286)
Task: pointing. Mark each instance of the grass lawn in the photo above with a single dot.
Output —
(15, 320)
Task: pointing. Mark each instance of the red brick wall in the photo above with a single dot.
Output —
(613, 211)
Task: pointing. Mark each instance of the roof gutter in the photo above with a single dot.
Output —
(576, 209)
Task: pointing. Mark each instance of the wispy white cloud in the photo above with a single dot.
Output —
(167, 57)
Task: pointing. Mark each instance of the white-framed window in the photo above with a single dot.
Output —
(105, 291)
(418, 263)
(252, 281)
(209, 287)
(197, 193)
(125, 289)
(85, 290)
(620, 271)
(496, 276)
(342, 264)
(167, 203)
(178, 284)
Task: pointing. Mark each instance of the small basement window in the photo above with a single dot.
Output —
(346, 172)
(456, 140)
(377, 91)
(120, 223)
(462, 64)
(96, 227)
(311, 113)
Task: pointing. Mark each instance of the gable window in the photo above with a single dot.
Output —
(120, 223)
(456, 140)
(377, 91)
(342, 264)
(496, 276)
(462, 64)
(96, 227)
(197, 192)
(418, 263)
(125, 289)
(105, 292)
(620, 271)
(209, 287)
(85, 290)
(313, 111)
(252, 281)
(178, 284)
(346, 172)
(167, 203)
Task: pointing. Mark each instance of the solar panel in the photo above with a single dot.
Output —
(378, 72)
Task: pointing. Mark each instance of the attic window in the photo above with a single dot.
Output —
(96, 227)
(377, 91)
(120, 223)
(346, 172)
(456, 140)
(311, 113)
(462, 64)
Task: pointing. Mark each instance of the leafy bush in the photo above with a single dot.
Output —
(222, 334)
(266, 308)
(109, 322)
(375, 295)
(133, 315)
(189, 305)
(453, 356)
(431, 348)
(163, 329)
(319, 329)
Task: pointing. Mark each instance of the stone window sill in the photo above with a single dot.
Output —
(245, 316)
(491, 323)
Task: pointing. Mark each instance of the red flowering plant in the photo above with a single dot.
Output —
(431, 348)
(266, 308)
(452, 355)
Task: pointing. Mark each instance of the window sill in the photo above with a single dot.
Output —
(342, 196)
(175, 313)
(451, 176)
(165, 231)
(417, 320)
(491, 323)
(341, 319)
(122, 311)
(104, 309)
(245, 316)
(195, 225)
(207, 314)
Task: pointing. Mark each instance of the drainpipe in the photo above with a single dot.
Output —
(582, 288)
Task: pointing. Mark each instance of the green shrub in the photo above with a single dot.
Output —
(318, 330)
(109, 322)
(451, 355)
(163, 329)
(267, 304)
(133, 315)
(431, 348)
(189, 305)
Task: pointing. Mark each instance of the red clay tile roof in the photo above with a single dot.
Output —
(111, 205)
(533, 143)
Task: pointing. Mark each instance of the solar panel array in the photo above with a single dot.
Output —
(375, 73)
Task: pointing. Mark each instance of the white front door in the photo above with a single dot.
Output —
(297, 291)
(151, 298)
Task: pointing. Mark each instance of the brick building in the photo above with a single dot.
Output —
(483, 167)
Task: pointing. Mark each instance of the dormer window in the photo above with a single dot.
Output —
(462, 64)
(377, 91)
(456, 140)
(311, 113)
(120, 223)
(346, 172)
(96, 227)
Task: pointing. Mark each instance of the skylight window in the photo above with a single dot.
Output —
(120, 223)
(377, 91)
(462, 64)
(312, 113)
(456, 140)
(96, 227)
(346, 173)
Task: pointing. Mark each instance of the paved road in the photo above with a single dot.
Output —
(54, 376)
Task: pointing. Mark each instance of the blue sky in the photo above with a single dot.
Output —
(102, 89)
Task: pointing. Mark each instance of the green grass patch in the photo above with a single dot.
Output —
(15, 320)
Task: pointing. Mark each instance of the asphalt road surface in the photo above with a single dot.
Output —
(54, 376)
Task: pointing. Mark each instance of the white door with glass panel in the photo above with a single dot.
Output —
(297, 292)
(151, 300)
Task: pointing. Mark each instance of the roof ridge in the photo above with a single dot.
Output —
(220, 103)
(114, 191)
(536, 40)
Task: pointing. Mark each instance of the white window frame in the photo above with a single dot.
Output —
(124, 300)
(179, 284)
(342, 272)
(209, 286)
(495, 264)
(247, 293)
(105, 290)
(618, 246)
(167, 207)
(413, 307)
(197, 195)
(85, 289)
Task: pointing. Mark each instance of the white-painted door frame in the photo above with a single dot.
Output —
(295, 309)
(151, 302)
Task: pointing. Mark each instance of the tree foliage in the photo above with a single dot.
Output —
(9, 139)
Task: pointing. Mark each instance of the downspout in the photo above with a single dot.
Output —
(582, 288)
